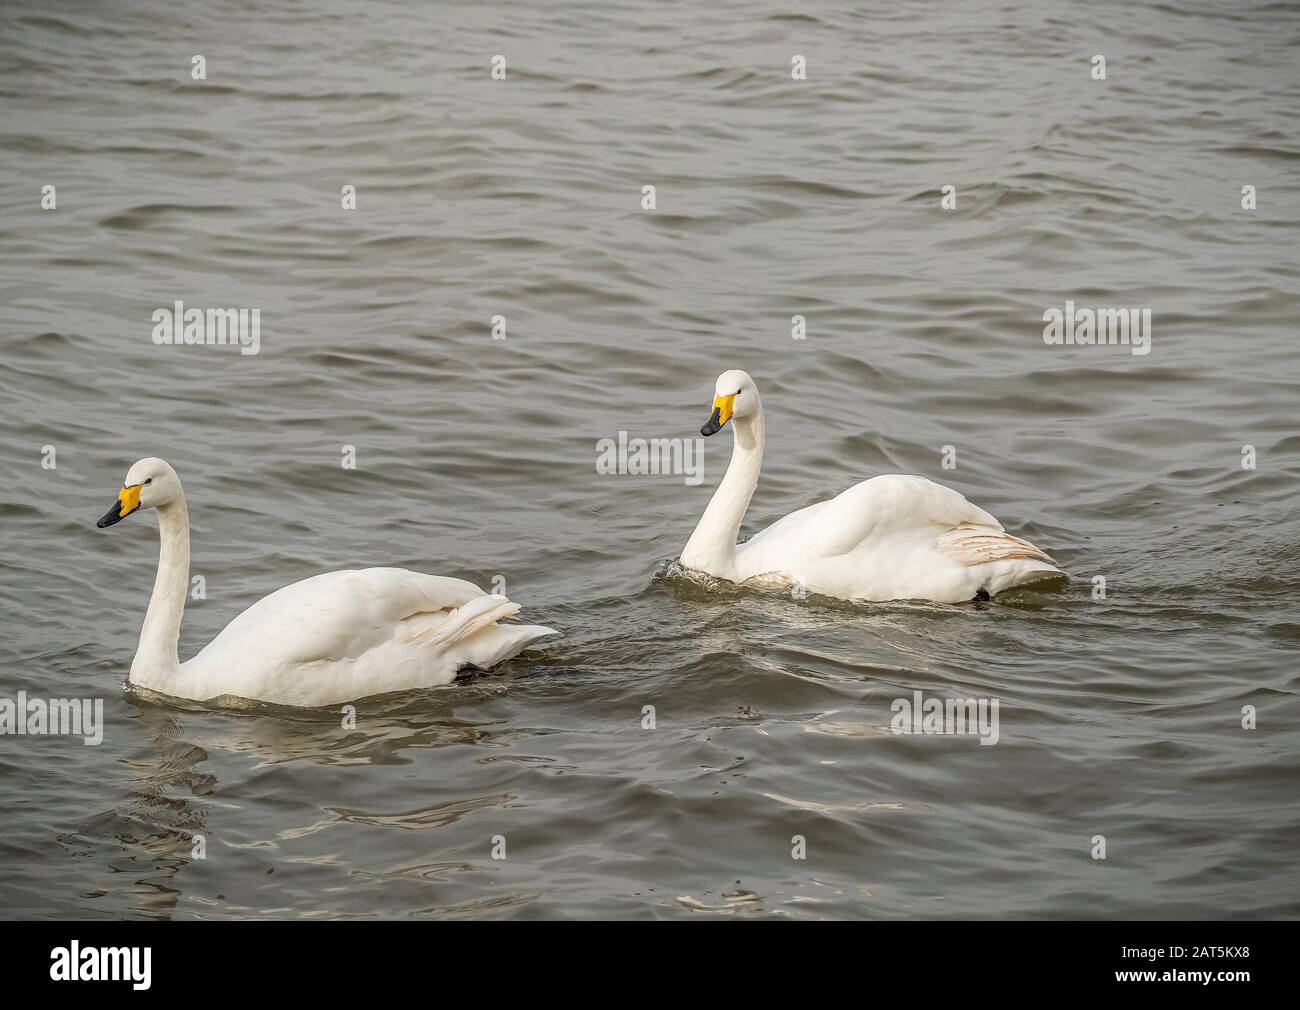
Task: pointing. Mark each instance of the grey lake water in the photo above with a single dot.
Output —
(1157, 709)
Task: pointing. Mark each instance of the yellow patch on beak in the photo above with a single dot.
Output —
(723, 405)
(128, 500)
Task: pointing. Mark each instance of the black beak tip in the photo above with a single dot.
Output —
(110, 517)
(711, 426)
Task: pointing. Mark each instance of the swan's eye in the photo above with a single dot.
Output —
(148, 480)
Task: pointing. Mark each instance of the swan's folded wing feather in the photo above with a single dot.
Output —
(888, 506)
(884, 510)
(336, 615)
(970, 544)
(909, 501)
(404, 592)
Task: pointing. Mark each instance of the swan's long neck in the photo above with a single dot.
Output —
(712, 547)
(156, 658)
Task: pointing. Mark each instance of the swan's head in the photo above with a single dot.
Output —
(149, 484)
(734, 395)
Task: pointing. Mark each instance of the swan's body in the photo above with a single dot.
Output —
(888, 538)
(332, 638)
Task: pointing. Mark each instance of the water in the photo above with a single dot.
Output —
(476, 458)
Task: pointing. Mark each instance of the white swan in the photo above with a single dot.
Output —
(328, 639)
(888, 538)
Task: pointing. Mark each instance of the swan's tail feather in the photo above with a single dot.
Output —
(502, 641)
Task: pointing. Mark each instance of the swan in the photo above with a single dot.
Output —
(325, 640)
(892, 537)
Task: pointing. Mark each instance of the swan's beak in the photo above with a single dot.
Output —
(128, 500)
(721, 414)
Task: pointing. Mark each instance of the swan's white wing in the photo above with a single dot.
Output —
(882, 508)
(326, 624)
(899, 502)
(340, 614)
(894, 537)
